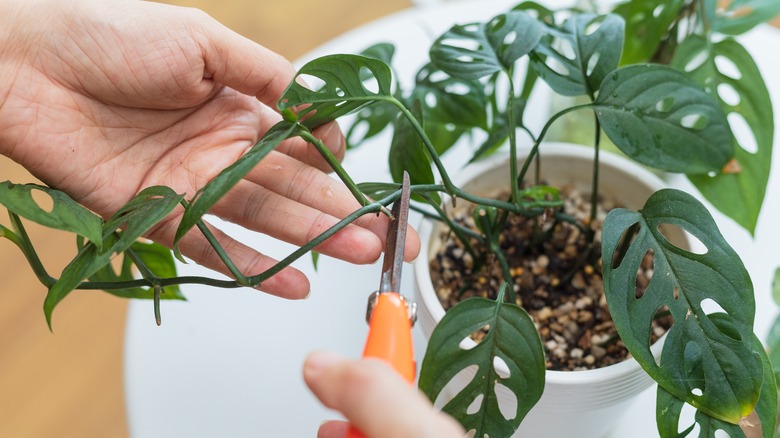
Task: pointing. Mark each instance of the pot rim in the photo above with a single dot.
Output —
(549, 149)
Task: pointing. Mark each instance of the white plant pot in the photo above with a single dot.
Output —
(583, 404)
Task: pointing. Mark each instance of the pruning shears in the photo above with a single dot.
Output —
(389, 315)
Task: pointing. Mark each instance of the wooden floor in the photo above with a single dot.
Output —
(69, 383)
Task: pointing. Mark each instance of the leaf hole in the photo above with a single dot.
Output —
(370, 84)
(743, 133)
(688, 411)
(509, 38)
(662, 318)
(497, 23)
(625, 241)
(682, 238)
(458, 88)
(311, 82)
(430, 99)
(468, 44)
(696, 61)
(471, 434)
(594, 25)
(658, 10)
(592, 63)
(475, 405)
(564, 48)
(697, 392)
(696, 122)
(501, 368)
(728, 94)
(466, 59)
(665, 105)
(727, 67)
(340, 92)
(507, 401)
(644, 273)
(44, 200)
(438, 76)
(458, 382)
(556, 66)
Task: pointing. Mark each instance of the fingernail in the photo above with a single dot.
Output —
(319, 361)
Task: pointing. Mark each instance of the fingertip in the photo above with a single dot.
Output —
(412, 245)
(289, 283)
(333, 429)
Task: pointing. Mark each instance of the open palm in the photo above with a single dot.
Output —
(139, 94)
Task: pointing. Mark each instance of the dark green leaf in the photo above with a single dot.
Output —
(739, 195)
(537, 11)
(739, 16)
(408, 153)
(344, 90)
(661, 118)
(698, 354)
(215, 189)
(476, 50)
(65, 214)
(575, 58)
(646, 25)
(511, 337)
(668, 407)
(443, 135)
(140, 214)
(156, 257)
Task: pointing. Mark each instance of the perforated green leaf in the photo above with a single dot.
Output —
(215, 189)
(511, 337)
(573, 59)
(448, 100)
(349, 82)
(476, 50)
(145, 210)
(65, 214)
(661, 118)
(741, 91)
(715, 370)
(669, 407)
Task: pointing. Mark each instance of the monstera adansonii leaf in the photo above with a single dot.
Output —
(712, 365)
(508, 361)
(661, 118)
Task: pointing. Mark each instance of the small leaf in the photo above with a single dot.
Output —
(381, 51)
(408, 153)
(136, 217)
(661, 118)
(369, 122)
(156, 257)
(726, 380)
(215, 189)
(315, 258)
(735, 17)
(476, 50)
(646, 25)
(511, 337)
(740, 92)
(65, 214)
(575, 58)
(344, 88)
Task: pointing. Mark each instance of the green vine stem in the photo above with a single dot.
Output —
(510, 111)
(22, 240)
(594, 192)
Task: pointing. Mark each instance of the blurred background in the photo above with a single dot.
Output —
(69, 383)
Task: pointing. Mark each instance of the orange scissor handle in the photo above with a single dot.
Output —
(390, 338)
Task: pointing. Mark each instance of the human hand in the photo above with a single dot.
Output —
(101, 99)
(374, 398)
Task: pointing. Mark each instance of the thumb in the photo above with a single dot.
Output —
(374, 398)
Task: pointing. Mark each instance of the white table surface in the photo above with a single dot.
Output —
(228, 362)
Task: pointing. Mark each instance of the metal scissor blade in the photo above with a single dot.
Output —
(396, 238)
